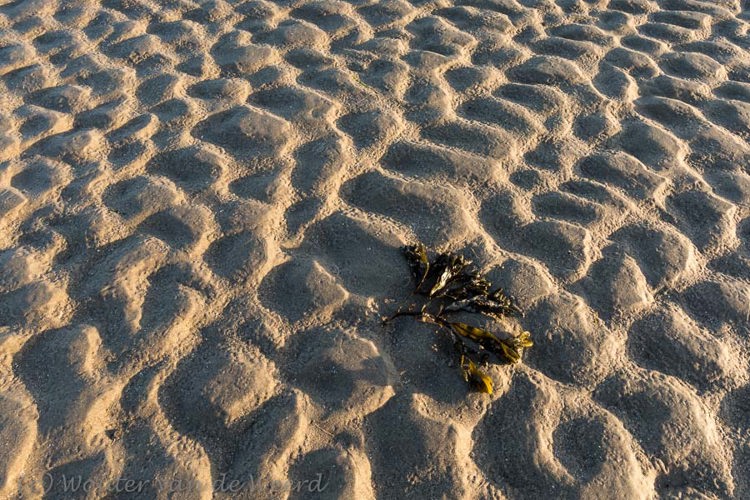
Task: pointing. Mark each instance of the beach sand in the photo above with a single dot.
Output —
(202, 206)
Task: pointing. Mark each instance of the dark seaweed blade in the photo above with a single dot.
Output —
(466, 286)
(418, 261)
(496, 305)
(438, 275)
(447, 266)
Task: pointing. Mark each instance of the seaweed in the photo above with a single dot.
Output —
(420, 265)
(476, 377)
(451, 284)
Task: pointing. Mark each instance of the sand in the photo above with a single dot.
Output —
(202, 206)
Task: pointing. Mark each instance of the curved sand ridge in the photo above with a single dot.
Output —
(201, 209)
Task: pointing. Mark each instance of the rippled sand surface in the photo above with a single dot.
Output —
(201, 209)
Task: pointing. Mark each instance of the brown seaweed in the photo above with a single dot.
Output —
(476, 377)
(420, 265)
(450, 284)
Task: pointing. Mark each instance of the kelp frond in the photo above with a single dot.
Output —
(476, 377)
(420, 265)
(451, 284)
